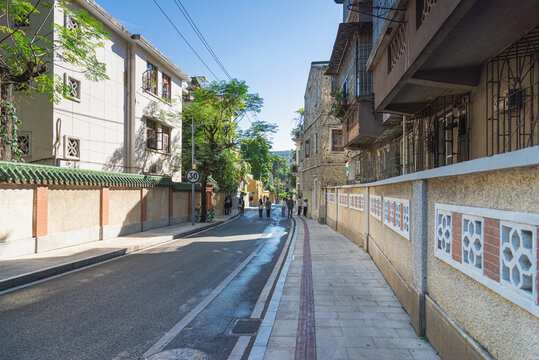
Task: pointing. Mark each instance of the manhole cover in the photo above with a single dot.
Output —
(240, 327)
(180, 354)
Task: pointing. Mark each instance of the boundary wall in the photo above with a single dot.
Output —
(45, 208)
(459, 247)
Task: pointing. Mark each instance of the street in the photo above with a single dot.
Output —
(120, 309)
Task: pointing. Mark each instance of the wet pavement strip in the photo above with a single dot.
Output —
(261, 254)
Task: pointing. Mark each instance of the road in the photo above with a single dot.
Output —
(120, 309)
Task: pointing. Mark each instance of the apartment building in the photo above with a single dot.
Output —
(128, 123)
(446, 203)
(323, 159)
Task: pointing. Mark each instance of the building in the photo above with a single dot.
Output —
(352, 88)
(288, 155)
(447, 201)
(128, 123)
(322, 156)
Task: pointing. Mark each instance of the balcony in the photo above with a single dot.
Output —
(431, 48)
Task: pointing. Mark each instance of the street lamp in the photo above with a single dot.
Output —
(193, 162)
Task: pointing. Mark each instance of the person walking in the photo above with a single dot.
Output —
(230, 203)
(226, 205)
(283, 207)
(268, 207)
(260, 208)
(241, 205)
(305, 206)
(300, 205)
(290, 205)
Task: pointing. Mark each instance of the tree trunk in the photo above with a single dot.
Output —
(6, 125)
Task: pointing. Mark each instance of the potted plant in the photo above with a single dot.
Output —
(342, 97)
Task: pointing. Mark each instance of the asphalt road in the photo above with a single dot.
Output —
(120, 309)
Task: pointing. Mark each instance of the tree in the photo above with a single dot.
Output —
(256, 152)
(261, 129)
(26, 58)
(214, 109)
(280, 170)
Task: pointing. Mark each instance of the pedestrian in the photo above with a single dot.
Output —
(268, 207)
(305, 206)
(230, 203)
(241, 205)
(226, 205)
(283, 207)
(260, 208)
(300, 205)
(290, 205)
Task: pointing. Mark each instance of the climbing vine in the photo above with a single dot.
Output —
(9, 115)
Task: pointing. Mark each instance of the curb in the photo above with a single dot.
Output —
(27, 278)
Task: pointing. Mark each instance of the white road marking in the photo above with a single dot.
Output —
(176, 329)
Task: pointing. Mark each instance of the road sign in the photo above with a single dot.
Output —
(193, 176)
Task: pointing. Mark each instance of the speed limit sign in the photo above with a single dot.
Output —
(193, 176)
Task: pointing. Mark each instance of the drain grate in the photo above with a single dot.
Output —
(244, 327)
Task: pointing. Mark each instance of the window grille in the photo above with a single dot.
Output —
(75, 88)
(24, 143)
(72, 148)
(512, 84)
(397, 47)
(149, 78)
(70, 23)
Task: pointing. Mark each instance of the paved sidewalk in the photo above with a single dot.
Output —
(356, 314)
(25, 269)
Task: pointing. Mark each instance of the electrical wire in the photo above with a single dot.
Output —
(197, 31)
(183, 37)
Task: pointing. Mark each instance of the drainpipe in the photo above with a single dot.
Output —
(131, 103)
(405, 146)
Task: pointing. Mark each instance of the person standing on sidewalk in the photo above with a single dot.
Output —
(260, 208)
(283, 207)
(300, 205)
(305, 206)
(290, 205)
(268, 207)
(241, 205)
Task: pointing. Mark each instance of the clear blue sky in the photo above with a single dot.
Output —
(269, 44)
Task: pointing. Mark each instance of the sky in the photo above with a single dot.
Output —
(268, 44)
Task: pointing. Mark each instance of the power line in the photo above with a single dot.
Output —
(184, 39)
(197, 31)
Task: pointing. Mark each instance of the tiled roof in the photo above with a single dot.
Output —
(22, 173)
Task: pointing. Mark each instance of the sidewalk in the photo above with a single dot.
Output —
(344, 307)
(26, 269)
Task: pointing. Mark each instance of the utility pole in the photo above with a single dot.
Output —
(192, 167)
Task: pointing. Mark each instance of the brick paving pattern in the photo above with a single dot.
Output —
(357, 314)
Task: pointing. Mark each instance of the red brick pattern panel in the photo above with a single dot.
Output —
(143, 204)
(491, 251)
(105, 200)
(456, 229)
(41, 211)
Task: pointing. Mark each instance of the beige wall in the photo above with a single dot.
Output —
(124, 206)
(157, 202)
(16, 206)
(504, 329)
(71, 210)
(352, 221)
(181, 203)
(395, 247)
(219, 202)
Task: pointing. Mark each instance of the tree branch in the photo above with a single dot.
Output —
(20, 23)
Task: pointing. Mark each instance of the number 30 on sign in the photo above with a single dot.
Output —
(193, 176)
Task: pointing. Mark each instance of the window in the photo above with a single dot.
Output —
(316, 143)
(150, 78)
(157, 136)
(166, 139)
(336, 140)
(166, 87)
(307, 148)
(151, 132)
(75, 91)
(71, 147)
(24, 141)
(70, 23)
(21, 23)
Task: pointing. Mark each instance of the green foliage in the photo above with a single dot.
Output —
(213, 110)
(26, 58)
(261, 129)
(256, 152)
(10, 137)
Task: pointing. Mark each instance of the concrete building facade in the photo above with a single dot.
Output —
(127, 123)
